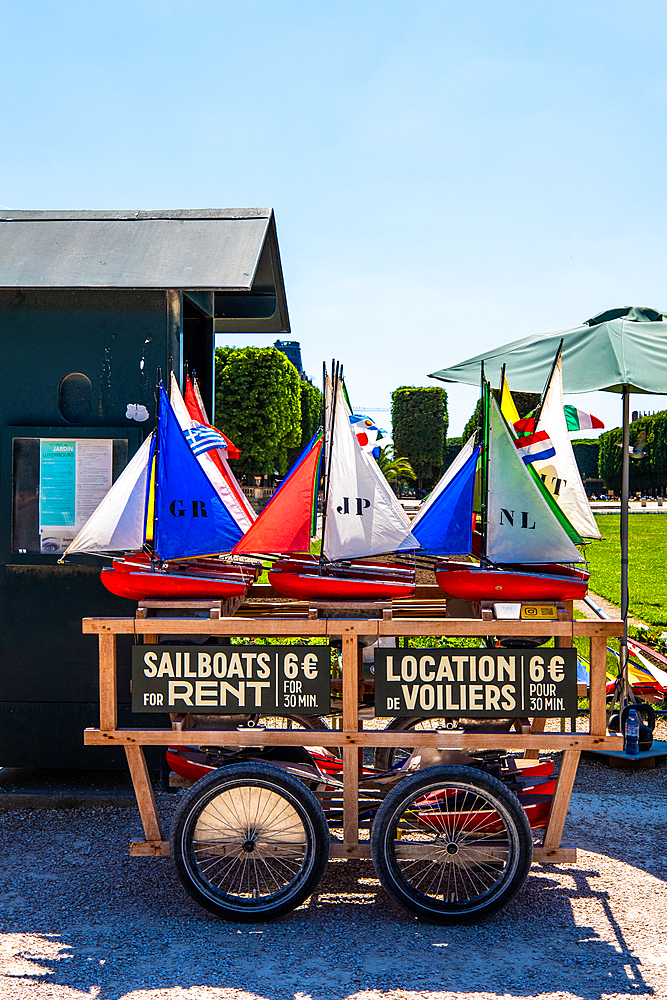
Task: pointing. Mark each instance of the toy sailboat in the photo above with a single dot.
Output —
(362, 518)
(179, 498)
(526, 547)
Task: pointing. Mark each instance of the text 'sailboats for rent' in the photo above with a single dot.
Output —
(172, 512)
(526, 497)
(362, 518)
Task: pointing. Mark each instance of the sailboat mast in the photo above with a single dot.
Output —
(152, 479)
(538, 411)
(336, 372)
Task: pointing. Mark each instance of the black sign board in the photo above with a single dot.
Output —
(273, 680)
(476, 683)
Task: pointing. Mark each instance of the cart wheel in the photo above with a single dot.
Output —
(387, 757)
(451, 844)
(249, 842)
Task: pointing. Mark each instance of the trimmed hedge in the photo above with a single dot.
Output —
(419, 423)
(646, 473)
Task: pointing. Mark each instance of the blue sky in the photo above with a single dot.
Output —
(446, 177)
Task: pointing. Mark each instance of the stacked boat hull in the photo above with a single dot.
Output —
(307, 579)
(136, 579)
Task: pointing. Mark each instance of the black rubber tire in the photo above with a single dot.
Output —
(471, 891)
(384, 757)
(238, 807)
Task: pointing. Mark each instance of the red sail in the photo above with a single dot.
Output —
(284, 524)
(197, 413)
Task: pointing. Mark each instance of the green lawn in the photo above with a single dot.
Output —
(647, 572)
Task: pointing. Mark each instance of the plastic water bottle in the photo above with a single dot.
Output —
(632, 733)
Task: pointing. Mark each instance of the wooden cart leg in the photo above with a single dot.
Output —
(146, 802)
(350, 753)
(536, 727)
(561, 801)
(598, 685)
(108, 698)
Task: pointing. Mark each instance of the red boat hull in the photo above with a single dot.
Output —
(547, 583)
(204, 578)
(358, 581)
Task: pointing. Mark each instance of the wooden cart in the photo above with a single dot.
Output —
(404, 619)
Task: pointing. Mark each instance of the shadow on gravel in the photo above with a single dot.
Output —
(110, 930)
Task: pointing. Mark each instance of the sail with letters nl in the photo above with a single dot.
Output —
(560, 474)
(521, 527)
(190, 518)
(363, 515)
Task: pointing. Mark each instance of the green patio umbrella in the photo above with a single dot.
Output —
(621, 350)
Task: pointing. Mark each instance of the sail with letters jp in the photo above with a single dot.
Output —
(361, 518)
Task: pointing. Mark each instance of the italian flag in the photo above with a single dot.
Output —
(577, 420)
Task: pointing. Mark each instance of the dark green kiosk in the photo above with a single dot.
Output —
(91, 304)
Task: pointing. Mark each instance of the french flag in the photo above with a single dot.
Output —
(535, 447)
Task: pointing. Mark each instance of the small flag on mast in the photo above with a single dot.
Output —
(203, 437)
(507, 405)
(579, 420)
(535, 447)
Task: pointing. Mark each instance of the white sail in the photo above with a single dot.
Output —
(364, 517)
(117, 524)
(560, 473)
(458, 463)
(521, 527)
(221, 486)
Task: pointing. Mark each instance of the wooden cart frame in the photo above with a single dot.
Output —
(352, 738)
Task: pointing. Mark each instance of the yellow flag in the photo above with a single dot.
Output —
(507, 407)
(150, 512)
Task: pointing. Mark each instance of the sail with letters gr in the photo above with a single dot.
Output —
(190, 518)
(169, 520)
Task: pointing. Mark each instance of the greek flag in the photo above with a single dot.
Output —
(202, 437)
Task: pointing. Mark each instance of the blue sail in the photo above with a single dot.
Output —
(446, 527)
(190, 517)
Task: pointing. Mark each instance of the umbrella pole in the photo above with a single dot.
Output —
(625, 501)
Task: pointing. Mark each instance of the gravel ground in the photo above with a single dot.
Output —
(79, 918)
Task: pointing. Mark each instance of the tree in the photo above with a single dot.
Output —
(258, 405)
(454, 446)
(419, 419)
(524, 402)
(311, 416)
(394, 469)
(648, 472)
(586, 452)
